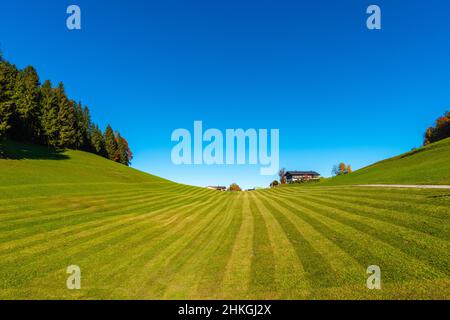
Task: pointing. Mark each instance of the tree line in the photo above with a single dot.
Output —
(45, 115)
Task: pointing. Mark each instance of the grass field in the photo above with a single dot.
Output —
(136, 236)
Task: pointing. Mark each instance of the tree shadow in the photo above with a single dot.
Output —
(440, 196)
(13, 150)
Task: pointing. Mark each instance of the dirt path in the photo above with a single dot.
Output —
(417, 186)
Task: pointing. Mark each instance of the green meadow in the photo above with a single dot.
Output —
(137, 236)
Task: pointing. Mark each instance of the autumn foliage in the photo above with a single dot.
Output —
(341, 169)
(234, 187)
(282, 175)
(440, 131)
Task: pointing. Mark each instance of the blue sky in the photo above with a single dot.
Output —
(335, 90)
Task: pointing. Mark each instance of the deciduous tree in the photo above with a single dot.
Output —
(342, 168)
(234, 187)
(282, 175)
(440, 131)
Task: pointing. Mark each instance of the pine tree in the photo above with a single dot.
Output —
(87, 129)
(80, 133)
(122, 152)
(110, 143)
(98, 142)
(26, 98)
(66, 119)
(8, 75)
(46, 115)
(49, 115)
(128, 151)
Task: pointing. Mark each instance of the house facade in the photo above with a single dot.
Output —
(293, 176)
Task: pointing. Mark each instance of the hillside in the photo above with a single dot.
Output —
(28, 166)
(426, 165)
(136, 236)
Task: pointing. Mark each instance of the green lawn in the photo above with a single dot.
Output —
(136, 236)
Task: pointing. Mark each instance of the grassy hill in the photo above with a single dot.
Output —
(426, 165)
(137, 236)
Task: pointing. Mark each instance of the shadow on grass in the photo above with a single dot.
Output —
(440, 196)
(13, 150)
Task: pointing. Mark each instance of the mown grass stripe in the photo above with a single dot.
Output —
(53, 201)
(13, 275)
(434, 202)
(420, 223)
(183, 283)
(72, 234)
(187, 280)
(86, 215)
(290, 276)
(318, 271)
(430, 213)
(137, 239)
(210, 282)
(52, 209)
(418, 246)
(343, 267)
(262, 281)
(366, 249)
(165, 266)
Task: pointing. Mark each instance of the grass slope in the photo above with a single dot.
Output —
(136, 236)
(426, 165)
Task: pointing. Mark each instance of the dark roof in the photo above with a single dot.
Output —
(302, 173)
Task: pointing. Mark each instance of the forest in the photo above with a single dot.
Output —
(45, 115)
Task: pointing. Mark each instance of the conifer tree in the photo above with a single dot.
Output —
(110, 143)
(80, 133)
(66, 119)
(121, 153)
(8, 74)
(98, 142)
(45, 115)
(87, 129)
(49, 115)
(128, 151)
(26, 99)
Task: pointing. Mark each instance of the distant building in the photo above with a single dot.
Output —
(218, 188)
(293, 176)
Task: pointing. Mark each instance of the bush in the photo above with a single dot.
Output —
(440, 131)
(305, 181)
(234, 187)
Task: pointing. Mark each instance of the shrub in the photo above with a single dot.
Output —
(234, 187)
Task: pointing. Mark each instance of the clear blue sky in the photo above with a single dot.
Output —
(337, 91)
